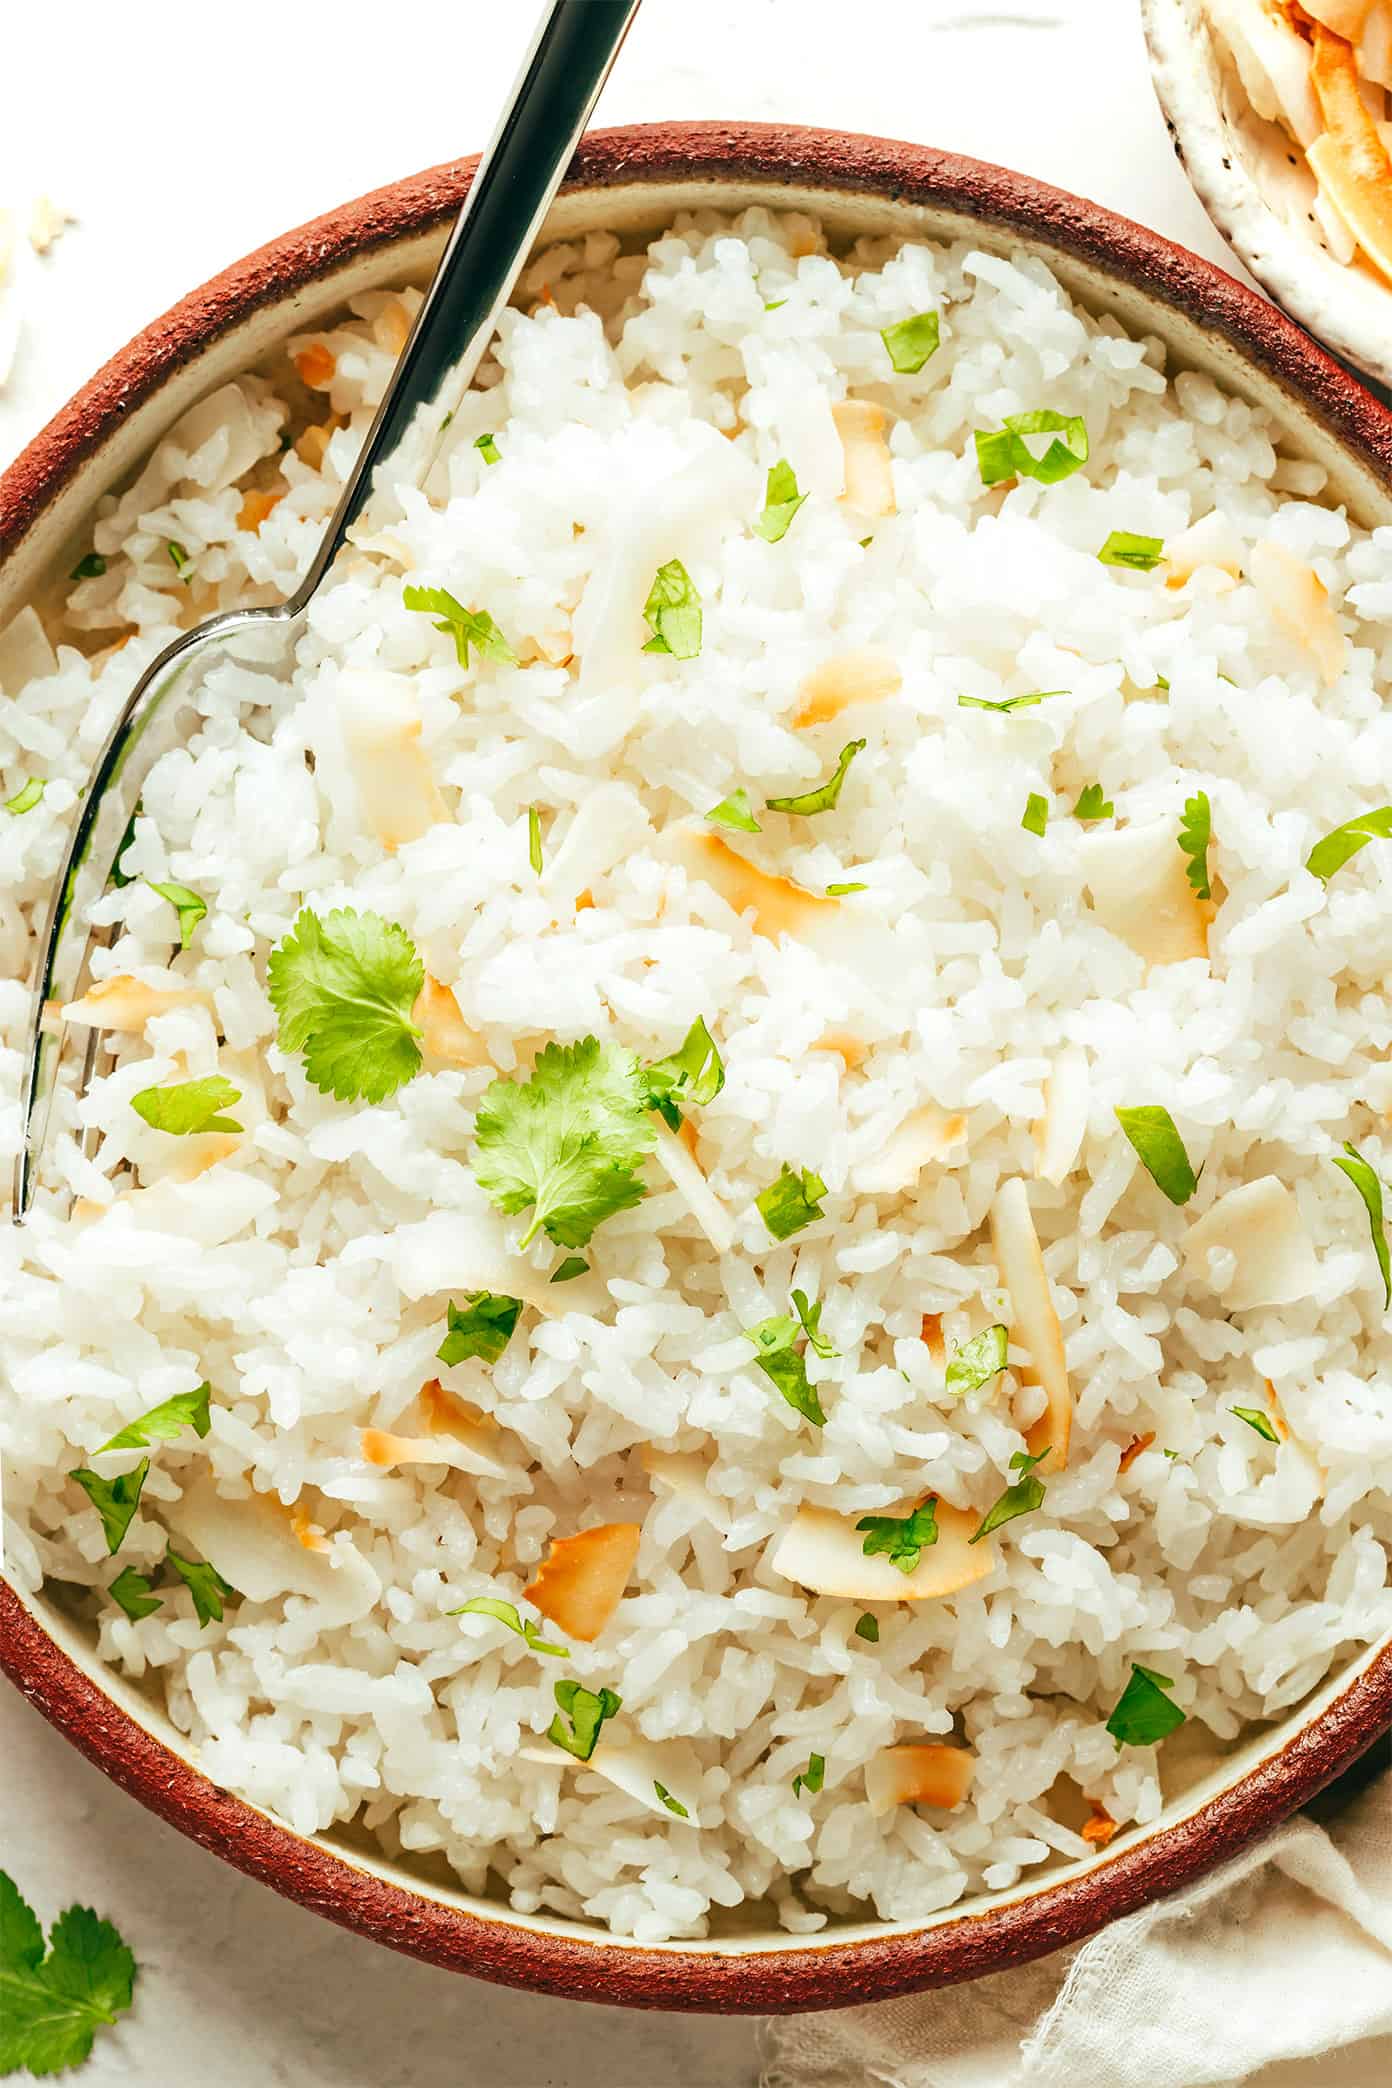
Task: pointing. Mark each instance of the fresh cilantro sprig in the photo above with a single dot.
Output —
(824, 796)
(344, 989)
(189, 905)
(1144, 1713)
(507, 1613)
(25, 799)
(910, 342)
(1255, 1418)
(1036, 813)
(809, 1312)
(579, 1716)
(1093, 804)
(483, 1328)
(694, 1073)
(902, 1538)
(54, 1997)
(868, 1628)
(465, 626)
(673, 1805)
(735, 811)
(791, 1202)
(1005, 454)
(812, 1777)
(672, 612)
(778, 1357)
(206, 1585)
(132, 1591)
(974, 1363)
(781, 502)
(1195, 833)
(1369, 1187)
(115, 1500)
(188, 1106)
(566, 1142)
(1022, 1498)
(488, 449)
(1343, 844)
(1124, 548)
(1008, 703)
(1153, 1133)
(162, 1423)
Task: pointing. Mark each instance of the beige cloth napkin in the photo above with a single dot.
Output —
(1283, 1954)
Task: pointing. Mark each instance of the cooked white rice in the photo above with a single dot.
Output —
(305, 1273)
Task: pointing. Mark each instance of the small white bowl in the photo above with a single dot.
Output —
(1255, 186)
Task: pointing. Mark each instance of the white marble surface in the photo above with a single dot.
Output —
(181, 137)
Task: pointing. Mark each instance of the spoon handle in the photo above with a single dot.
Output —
(576, 43)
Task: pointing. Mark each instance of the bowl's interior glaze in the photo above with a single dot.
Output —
(1238, 1792)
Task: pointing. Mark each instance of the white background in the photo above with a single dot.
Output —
(181, 136)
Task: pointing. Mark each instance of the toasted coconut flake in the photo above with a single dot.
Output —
(852, 1051)
(252, 1545)
(1261, 1227)
(311, 447)
(825, 1552)
(869, 478)
(381, 726)
(931, 1334)
(1035, 1323)
(1297, 599)
(865, 674)
(928, 1135)
(608, 828)
(1278, 1419)
(580, 1583)
(778, 906)
(392, 326)
(458, 1436)
(635, 1767)
(686, 1474)
(255, 507)
(444, 1032)
(1099, 1826)
(126, 1003)
(25, 652)
(1134, 1449)
(316, 366)
(306, 1532)
(1272, 60)
(1210, 544)
(1059, 1133)
(1349, 159)
(1139, 890)
(696, 1193)
(927, 1774)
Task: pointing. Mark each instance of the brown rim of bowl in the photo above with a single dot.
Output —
(826, 1974)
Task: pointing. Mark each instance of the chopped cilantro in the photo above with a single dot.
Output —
(812, 1777)
(791, 1202)
(735, 811)
(774, 304)
(902, 1538)
(868, 1628)
(574, 1265)
(534, 839)
(55, 1997)
(187, 904)
(115, 1500)
(188, 1106)
(162, 1423)
(1036, 813)
(180, 560)
(488, 449)
(465, 626)
(1195, 833)
(132, 1591)
(777, 1356)
(1352, 1163)
(508, 1613)
(810, 1316)
(673, 1805)
(843, 891)
(912, 341)
(344, 988)
(1144, 1714)
(206, 1585)
(1141, 553)
(695, 1073)
(1093, 805)
(824, 796)
(974, 1363)
(484, 1327)
(1022, 1498)
(1255, 1418)
(1152, 1132)
(25, 800)
(583, 1712)
(1335, 849)
(1008, 703)
(672, 612)
(89, 568)
(781, 502)
(567, 1141)
(1007, 455)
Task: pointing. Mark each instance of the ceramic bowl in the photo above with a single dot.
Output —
(633, 182)
(1255, 186)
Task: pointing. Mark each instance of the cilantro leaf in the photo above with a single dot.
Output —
(824, 796)
(488, 449)
(735, 811)
(508, 1613)
(484, 1328)
(1141, 553)
(53, 2002)
(344, 989)
(91, 567)
(1352, 1163)
(132, 1591)
(206, 1585)
(584, 1712)
(781, 502)
(1195, 833)
(695, 1073)
(673, 1805)
(1337, 848)
(25, 800)
(115, 1500)
(1008, 703)
(190, 908)
(791, 1202)
(1006, 454)
(911, 341)
(784, 1368)
(902, 1538)
(868, 1628)
(974, 1363)
(160, 1424)
(1152, 1132)
(567, 1141)
(1092, 804)
(1036, 813)
(180, 560)
(534, 839)
(1144, 1713)
(465, 626)
(1255, 1418)
(574, 1265)
(810, 1315)
(842, 891)
(812, 1777)
(672, 612)
(1022, 1498)
(188, 1106)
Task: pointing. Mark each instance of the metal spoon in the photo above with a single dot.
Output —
(575, 45)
